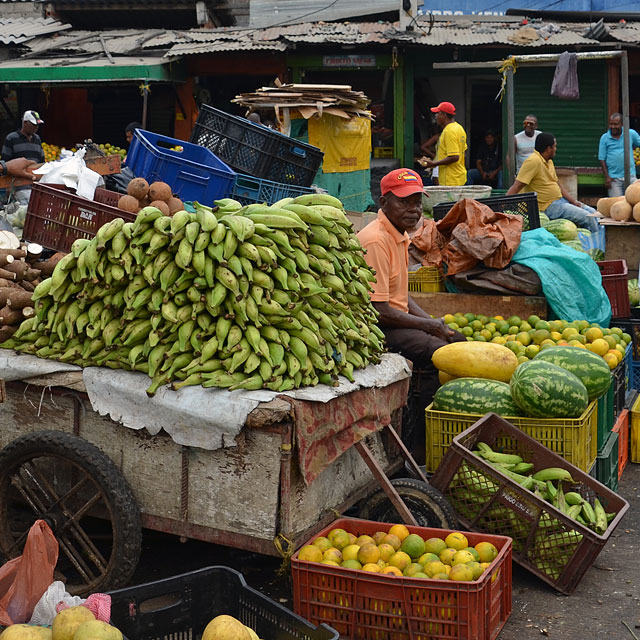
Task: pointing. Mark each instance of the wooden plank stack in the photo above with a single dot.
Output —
(309, 99)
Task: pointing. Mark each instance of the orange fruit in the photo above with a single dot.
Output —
(332, 563)
(457, 540)
(368, 553)
(611, 360)
(593, 333)
(364, 539)
(461, 572)
(434, 545)
(351, 564)
(400, 559)
(476, 568)
(412, 569)
(392, 570)
(378, 536)
(433, 568)
(413, 544)
(486, 551)
(350, 552)
(310, 553)
(386, 551)
(462, 557)
(322, 543)
(428, 557)
(340, 540)
(393, 540)
(332, 554)
(599, 346)
(399, 530)
(446, 556)
(372, 567)
(333, 532)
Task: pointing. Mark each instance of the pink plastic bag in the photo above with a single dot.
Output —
(23, 580)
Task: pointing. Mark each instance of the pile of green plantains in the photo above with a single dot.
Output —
(253, 297)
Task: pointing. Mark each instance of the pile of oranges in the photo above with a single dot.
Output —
(526, 338)
(400, 553)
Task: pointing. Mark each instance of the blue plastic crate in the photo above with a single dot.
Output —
(192, 172)
(248, 189)
(634, 376)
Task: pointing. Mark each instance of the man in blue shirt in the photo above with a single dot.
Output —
(611, 155)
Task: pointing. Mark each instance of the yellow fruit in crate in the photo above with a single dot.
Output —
(461, 573)
(611, 339)
(626, 337)
(310, 553)
(461, 321)
(569, 332)
(22, 632)
(476, 360)
(225, 628)
(392, 570)
(532, 319)
(446, 556)
(334, 532)
(386, 551)
(611, 360)
(412, 569)
(532, 350)
(427, 557)
(593, 334)
(433, 568)
(365, 539)
(332, 554)
(322, 543)
(555, 336)
(539, 335)
(523, 338)
(462, 557)
(399, 530)
(476, 569)
(340, 540)
(368, 553)
(599, 346)
(486, 551)
(97, 630)
(400, 559)
(332, 563)
(515, 321)
(448, 318)
(525, 326)
(350, 552)
(393, 540)
(522, 359)
(621, 348)
(351, 564)
(372, 567)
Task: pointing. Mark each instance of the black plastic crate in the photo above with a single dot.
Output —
(524, 204)
(256, 150)
(180, 608)
(632, 327)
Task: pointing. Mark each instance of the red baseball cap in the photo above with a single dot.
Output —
(402, 183)
(447, 107)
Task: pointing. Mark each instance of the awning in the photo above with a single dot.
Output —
(74, 70)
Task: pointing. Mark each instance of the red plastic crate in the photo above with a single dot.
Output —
(621, 427)
(56, 216)
(546, 542)
(615, 276)
(374, 606)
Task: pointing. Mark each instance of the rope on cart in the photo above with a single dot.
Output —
(285, 549)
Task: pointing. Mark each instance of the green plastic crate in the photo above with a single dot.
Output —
(605, 416)
(607, 463)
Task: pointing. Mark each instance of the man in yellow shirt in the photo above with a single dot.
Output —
(451, 148)
(538, 174)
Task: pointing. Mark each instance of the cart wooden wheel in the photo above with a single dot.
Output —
(74, 487)
(428, 506)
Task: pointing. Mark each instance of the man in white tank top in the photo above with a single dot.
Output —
(526, 140)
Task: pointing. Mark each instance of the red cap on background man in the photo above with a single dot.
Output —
(402, 183)
(446, 107)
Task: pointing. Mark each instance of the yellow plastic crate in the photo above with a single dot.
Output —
(575, 439)
(426, 280)
(634, 432)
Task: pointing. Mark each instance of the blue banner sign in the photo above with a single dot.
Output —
(500, 7)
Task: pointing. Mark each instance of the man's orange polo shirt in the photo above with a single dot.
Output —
(387, 253)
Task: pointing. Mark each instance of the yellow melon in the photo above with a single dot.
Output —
(604, 204)
(621, 211)
(632, 193)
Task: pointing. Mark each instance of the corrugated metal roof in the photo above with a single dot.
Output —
(463, 31)
(20, 30)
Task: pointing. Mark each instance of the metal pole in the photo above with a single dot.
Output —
(511, 130)
(624, 82)
(145, 96)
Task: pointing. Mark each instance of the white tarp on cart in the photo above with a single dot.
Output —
(193, 416)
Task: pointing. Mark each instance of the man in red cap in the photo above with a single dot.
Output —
(408, 329)
(451, 147)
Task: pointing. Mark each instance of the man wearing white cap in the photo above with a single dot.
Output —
(24, 143)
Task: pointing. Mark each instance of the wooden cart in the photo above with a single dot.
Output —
(97, 483)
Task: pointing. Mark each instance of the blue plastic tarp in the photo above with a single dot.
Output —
(571, 280)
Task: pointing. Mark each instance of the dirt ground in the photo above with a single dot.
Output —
(608, 594)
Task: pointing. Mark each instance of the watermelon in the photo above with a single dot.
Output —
(562, 229)
(592, 370)
(544, 218)
(476, 396)
(545, 390)
(574, 244)
(584, 232)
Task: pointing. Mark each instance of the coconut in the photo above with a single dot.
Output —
(162, 205)
(145, 202)
(138, 188)
(129, 203)
(175, 204)
(160, 191)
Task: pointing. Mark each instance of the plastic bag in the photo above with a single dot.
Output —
(45, 610)
(473, 232)
(23, 580)
(565, 79)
